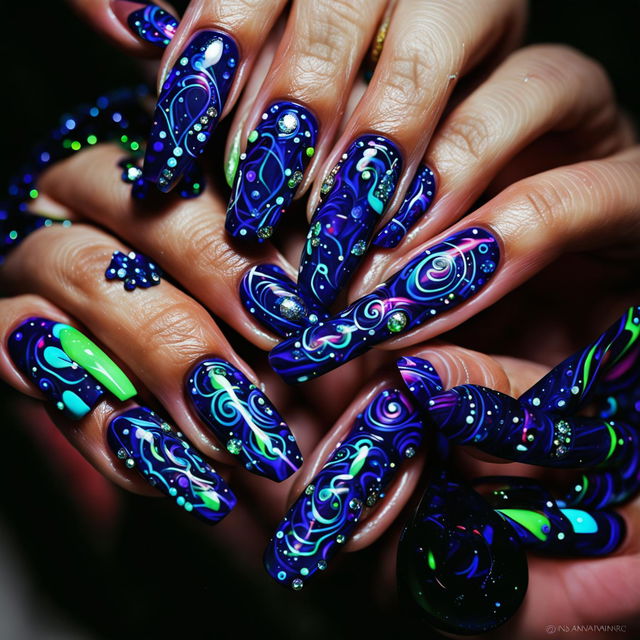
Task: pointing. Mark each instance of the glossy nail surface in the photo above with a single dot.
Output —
(436, 280)
(133, 269)
(354, 477)
(541, 524)
(459, 563)
(151, 447)
(502, 426)
(243, 419)
(419, 197)
(270, 170)
(352, 199)
(271, 296)
(421, 378)
(152, 24)
(189, 106)
(69, 369)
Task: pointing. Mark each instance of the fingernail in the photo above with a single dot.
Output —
(459, 563)
(149, 22)
(134, 270)
(500, 425)
(353, 478)
(242, 419)
(189, 106)
(541, 524)
(270, 170)
(352, 199)
(419, 197)
(231, 165)
(271, 296)
(435, 281)
(421, 378)
(69, 369)
(167, 462)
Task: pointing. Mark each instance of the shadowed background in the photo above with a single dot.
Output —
(75, 562)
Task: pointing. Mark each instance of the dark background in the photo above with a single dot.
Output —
(147, 573)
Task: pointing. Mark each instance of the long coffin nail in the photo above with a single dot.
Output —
(354, 477)
(149, 445)
(459, 563)
(270, 170)
(243, 419)
(502, 426)
(69, 369)
(433, 282)
(547, 527)
(419, 197)
(270, 295)
(353, 197)
(189, 107)
(148, 22)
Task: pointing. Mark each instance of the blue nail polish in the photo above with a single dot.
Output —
(148, 445)
(352, 199)
(421, 378)
(419, 197)
(133, 269)
(189, 106)
(436, 280)
(242, 419)
(353, 479)
(153, 24)
(278, 152)
(268, 293)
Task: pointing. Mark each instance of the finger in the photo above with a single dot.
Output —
(427, 46)
(298, 109)
(541, 90)
(169, 342)
(580, 207)
(42, 355)
(203, 71)
(187, 242)
(140, 28)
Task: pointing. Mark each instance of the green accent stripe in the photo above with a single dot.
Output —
(532, 521)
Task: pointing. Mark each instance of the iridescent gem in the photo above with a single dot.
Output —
(340, 539)
(409, 452)
(287, 123)
(355, 504)
(292, 308)
(295, 179)
(297, 584)
(327, 185)
(310, 489)
(234, 446)
(397, 321)
(359, 248)
(265, 232)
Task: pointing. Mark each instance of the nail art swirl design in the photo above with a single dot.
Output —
(243, 419)
(268, 293)
(353, 197)
(270, 170)
(147, 444)
(416, 203)
(421, 378)
(69, 369)
(190, 103)
(436, 280)
(354, 477)
(153, 24)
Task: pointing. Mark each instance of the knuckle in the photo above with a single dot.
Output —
(545, 202)
(466, 136)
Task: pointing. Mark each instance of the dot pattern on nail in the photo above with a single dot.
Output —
(353, 197)
(354, 477)
(189, 107)
(148, 445)
(436, 280)
(133, 269)
(419, 197)
(271, 169)
(153, 24)
(243, 419)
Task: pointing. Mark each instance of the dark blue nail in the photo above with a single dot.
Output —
(243, 419)
(435, 281)
(419, 197)
(543, 525)
(352, 199)
(167, 462)
(270, 170)
(270, 295)
(420, 377)
(460, 565)
(69, 369)
(500, 425)
(189, 107)
(353, 479)
(153, 24)
(133, 269)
